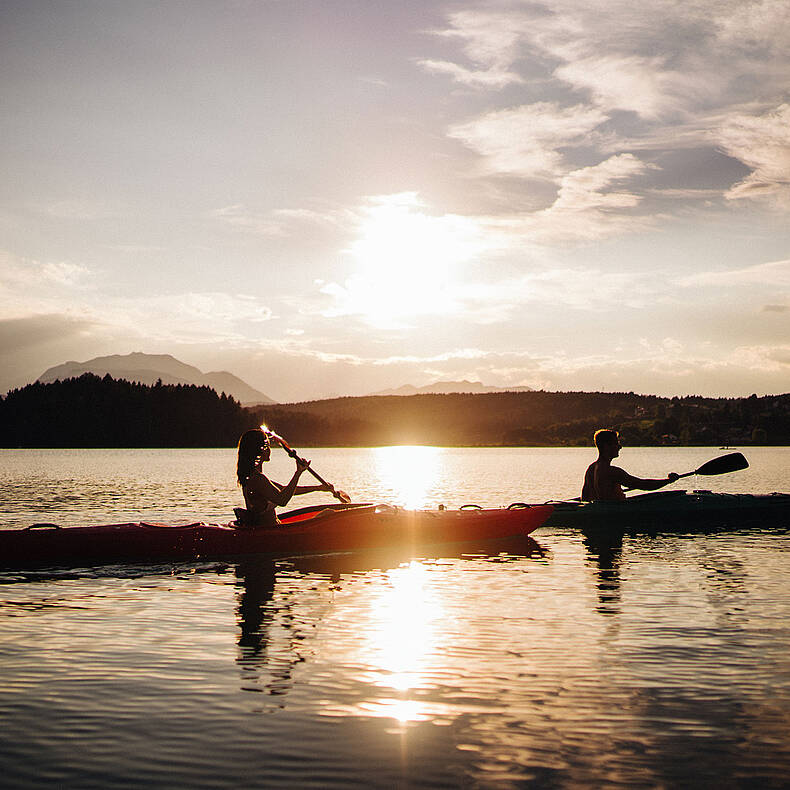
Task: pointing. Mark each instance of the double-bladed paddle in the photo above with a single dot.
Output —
(731, 462)
(342, 496)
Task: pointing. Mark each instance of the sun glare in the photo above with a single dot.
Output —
(406, 262)
(409, 471)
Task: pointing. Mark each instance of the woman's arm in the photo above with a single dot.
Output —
(279, 495)
(284, 493)
(312, 489)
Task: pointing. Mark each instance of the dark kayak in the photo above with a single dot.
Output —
(675, 511)
(313, 530)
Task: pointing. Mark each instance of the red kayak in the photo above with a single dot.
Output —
(314, 530)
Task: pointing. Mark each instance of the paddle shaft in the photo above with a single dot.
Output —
(337, 494)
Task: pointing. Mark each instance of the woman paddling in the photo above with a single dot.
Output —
(262, 495)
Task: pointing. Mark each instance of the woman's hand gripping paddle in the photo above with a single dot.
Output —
(341, 496)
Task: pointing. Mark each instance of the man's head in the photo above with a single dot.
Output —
(607, 440)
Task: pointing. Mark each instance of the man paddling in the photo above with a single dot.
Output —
(604, 482)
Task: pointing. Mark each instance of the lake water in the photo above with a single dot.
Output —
(660, 661)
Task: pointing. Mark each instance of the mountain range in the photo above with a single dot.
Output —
(447, 387)
(150, 368)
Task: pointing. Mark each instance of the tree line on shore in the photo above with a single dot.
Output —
(90, 411)
(550, 419)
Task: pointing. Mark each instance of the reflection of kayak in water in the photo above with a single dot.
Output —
(675, 511)
(312, 530)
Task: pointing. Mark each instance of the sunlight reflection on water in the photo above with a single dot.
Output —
(402, 627)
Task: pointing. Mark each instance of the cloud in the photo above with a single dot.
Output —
(584, 189)
(763, 143)
(607, 51)
(588, 289)
(525, 140)
(32, 288)
(211, 316)
(279, 222)
(761, 27)
(77, 210)
(639, 84)
(446, 356)
(483, 78)
(25, 273)
(22, 335)
(29, 286)
(665, 367)
(773, 275)
(589, 206)
(658, 77)
(63, 273)
(764, 357)
(240, 218)
(491, 40)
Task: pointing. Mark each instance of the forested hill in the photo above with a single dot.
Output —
(103, 412)
(532, 418)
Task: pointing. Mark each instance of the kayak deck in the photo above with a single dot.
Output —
(317, 530)
(674, 511)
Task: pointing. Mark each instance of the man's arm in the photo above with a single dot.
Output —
(642, 483)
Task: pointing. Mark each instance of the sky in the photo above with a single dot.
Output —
(343, 196)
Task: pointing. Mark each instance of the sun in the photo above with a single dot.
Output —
(406, 262)
(411, 472)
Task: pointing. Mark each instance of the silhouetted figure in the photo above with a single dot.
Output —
(262, 495)
(604, 482)
(266, 665)
(257, 581)
(605, 549)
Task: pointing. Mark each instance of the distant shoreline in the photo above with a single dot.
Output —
(90, 411)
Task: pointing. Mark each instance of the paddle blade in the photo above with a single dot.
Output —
(342, 496)
(723, 464)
